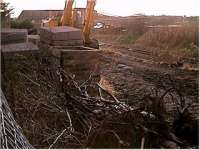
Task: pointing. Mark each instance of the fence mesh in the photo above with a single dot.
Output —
(11, 135)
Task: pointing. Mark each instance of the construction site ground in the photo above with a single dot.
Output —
(131, 71)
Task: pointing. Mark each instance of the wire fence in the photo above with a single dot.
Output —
(11, 136)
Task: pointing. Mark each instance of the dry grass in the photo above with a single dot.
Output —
(173, 43)
(105, 83)
(171, 37)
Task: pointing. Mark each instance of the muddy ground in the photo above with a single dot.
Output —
(132, 70)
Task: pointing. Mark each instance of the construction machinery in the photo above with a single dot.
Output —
(66, 19)
(88, 24)
(69, 18)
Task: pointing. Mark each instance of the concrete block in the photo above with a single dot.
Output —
(34, 39)
(62, 33)
(65, 43)
(81, 64)
(13, 35)
(19, 47)
(14, 51)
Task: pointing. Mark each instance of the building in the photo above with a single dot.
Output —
(37, 16)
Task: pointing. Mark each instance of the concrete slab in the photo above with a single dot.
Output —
(57, 50)
(62, 33)
(65, 43)
(19, 47)
(11, 30)
(34, 39)
(13, 35)
(61, 29)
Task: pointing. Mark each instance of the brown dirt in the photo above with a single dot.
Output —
(134, 70)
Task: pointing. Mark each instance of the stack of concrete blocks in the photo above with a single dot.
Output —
(14, 46)
(15, 41)
(66, 44)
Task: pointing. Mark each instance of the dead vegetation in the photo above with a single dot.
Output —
(171, 37)
(89, 116)
(173, 43)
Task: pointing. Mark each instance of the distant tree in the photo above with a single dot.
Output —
(24, 24)
(5, 14)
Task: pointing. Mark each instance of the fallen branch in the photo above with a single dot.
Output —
(29, 79)
(54, 142)
(70, 122)
(108, 93)
(142, 142)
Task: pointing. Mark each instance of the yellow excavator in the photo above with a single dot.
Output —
(66, 19)
(88, 24)
(69, 18)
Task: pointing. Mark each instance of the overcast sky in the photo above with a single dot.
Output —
(117, 7)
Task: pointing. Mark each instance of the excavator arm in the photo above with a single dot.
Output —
(89, 20)
(66, 19)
